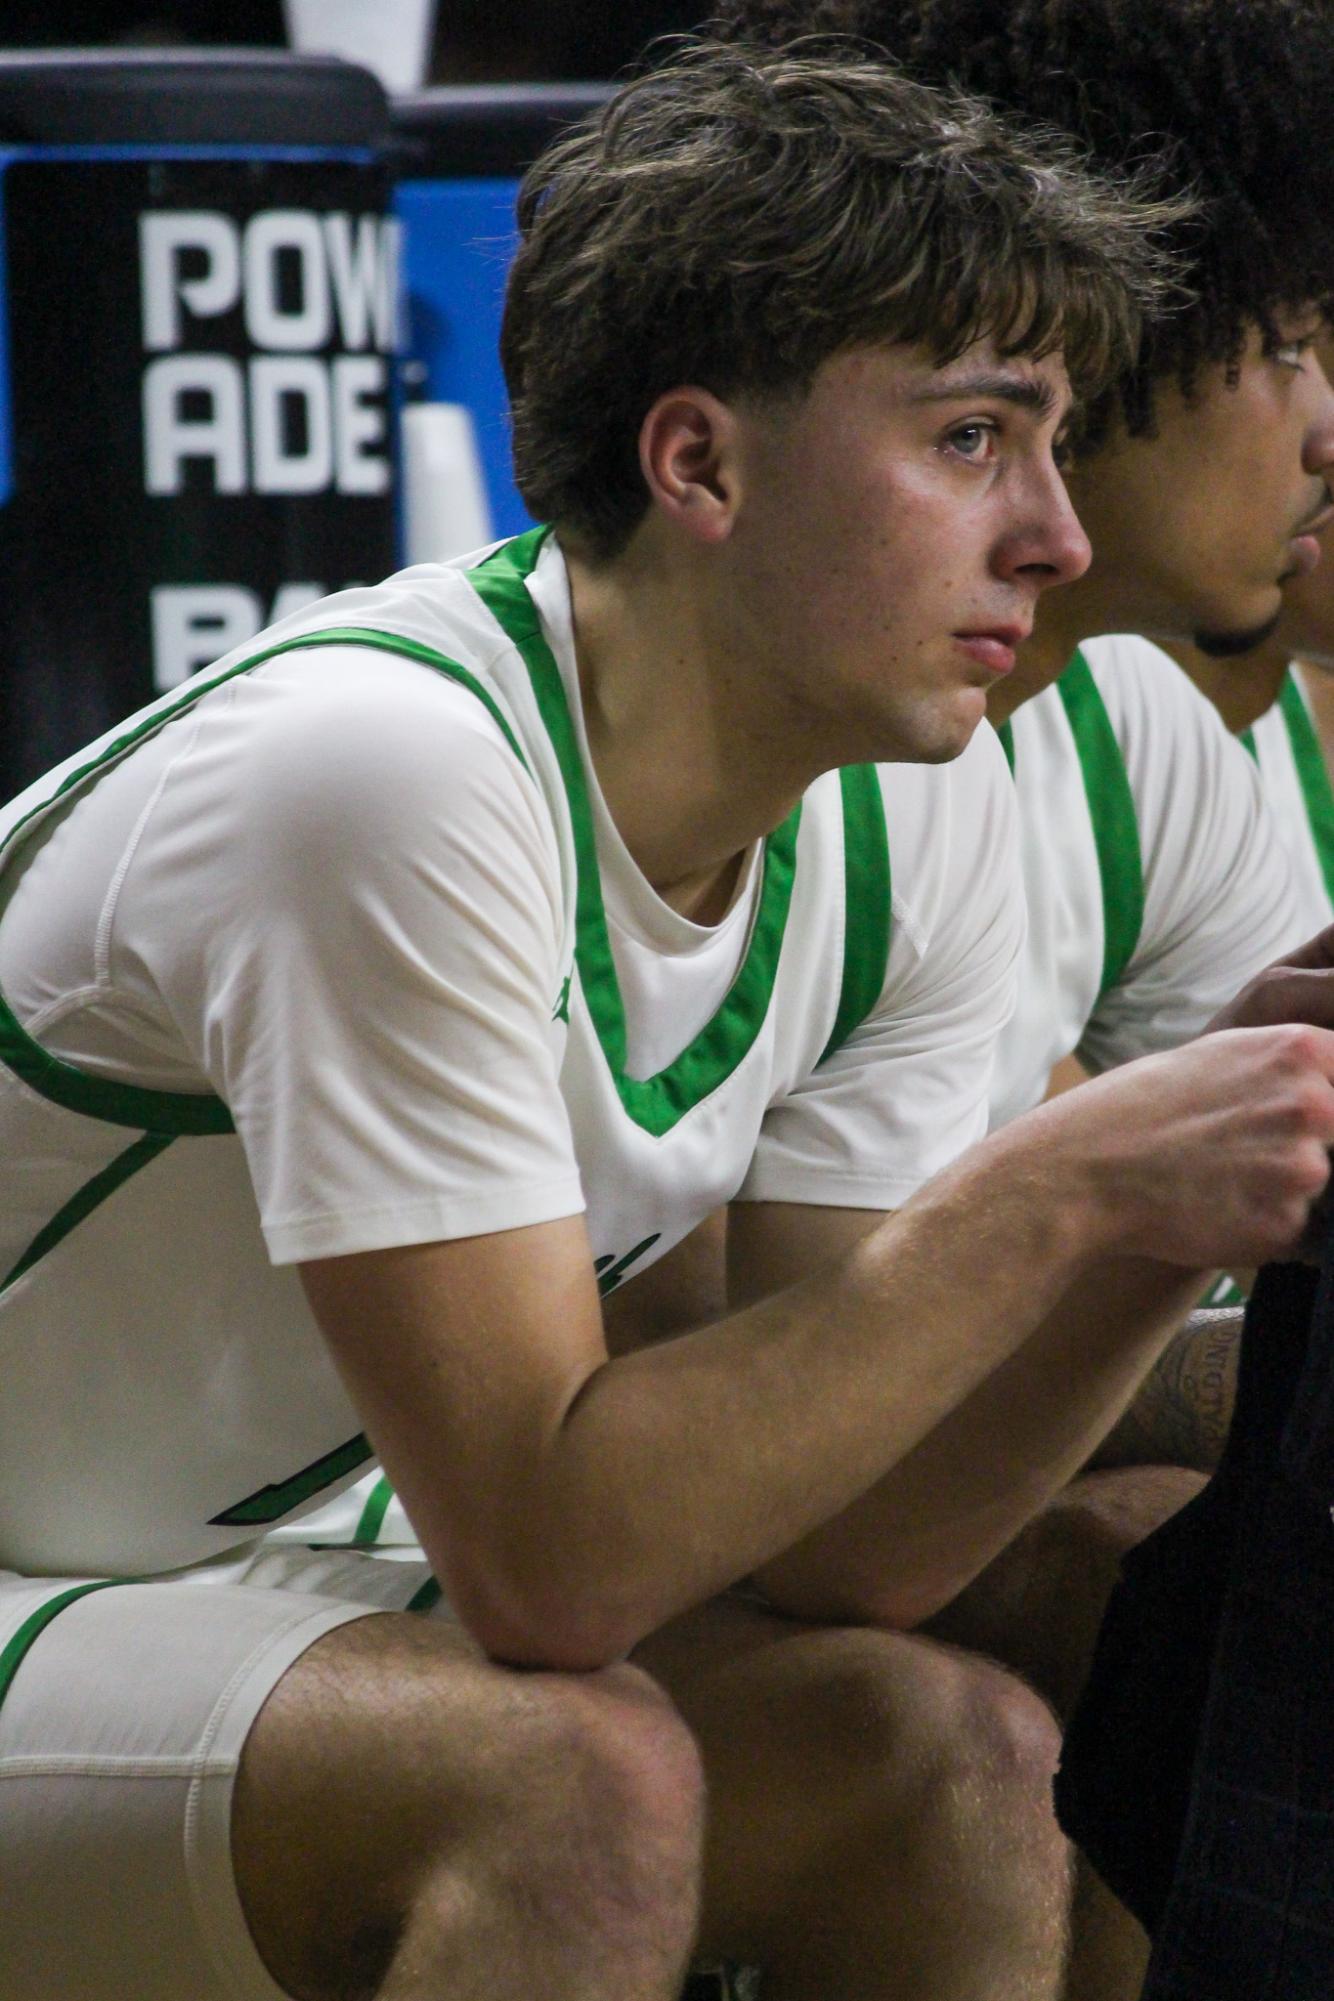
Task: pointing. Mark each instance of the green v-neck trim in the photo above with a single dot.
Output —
(178, 1113)
(1312, 776)
(654, 1103)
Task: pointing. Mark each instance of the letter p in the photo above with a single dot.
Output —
(164, 237)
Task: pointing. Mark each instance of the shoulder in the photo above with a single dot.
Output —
(929, 807)
(1145, 692)
(1178, 754)
(956, 893)
(952, 832)
(340, 773)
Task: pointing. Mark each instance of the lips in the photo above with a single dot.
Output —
(993, 647)
(1317, 524)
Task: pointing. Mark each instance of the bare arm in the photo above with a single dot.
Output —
(937, 1518)
(1182, 1412)
(572, 1502)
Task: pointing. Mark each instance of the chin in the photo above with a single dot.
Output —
(1230, 642)
(941, 744)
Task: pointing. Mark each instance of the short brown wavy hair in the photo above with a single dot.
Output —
(738, 215)
(1234, 94)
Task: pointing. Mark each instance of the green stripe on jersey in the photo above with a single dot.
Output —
(267, 1504)
(371, 1520)
(183, 1112)
(1312, 775)
(866, 901)
(655, 1103)
(162, 1112)
(93, 1193)
(12, 1658)
(425, 1598)
(1112, 811)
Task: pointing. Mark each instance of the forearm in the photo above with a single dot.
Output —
(1182, 1411)
(938, 1517)
(572, 1502)
(665, 1474)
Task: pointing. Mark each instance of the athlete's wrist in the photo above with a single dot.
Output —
(1021, 1211)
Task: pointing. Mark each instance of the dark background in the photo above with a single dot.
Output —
(477, 41)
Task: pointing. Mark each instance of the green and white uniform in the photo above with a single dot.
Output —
(334, 949)
(1156, 885)
(1155, 877)
(1296, 786)
(347, 954)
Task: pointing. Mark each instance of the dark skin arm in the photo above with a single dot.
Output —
(1183, 1410)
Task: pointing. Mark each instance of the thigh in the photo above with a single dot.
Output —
(394, 1763)
(123, 1711)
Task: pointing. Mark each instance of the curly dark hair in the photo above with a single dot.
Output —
(735, 217)
(1234, 94)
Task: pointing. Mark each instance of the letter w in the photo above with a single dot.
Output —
(364, 270)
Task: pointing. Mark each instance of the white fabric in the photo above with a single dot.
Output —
(1286, 801)
(1219, 898)
(120, 1738)
(332, 894)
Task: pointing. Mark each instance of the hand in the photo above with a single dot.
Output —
(1212, 1155)
(1298, 988)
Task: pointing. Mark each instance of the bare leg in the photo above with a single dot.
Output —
(1038, 1608)
(415, 1824)
(880, 1825)
(1109, 1950)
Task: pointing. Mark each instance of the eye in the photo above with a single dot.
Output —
(974, 441)
(1291, 353)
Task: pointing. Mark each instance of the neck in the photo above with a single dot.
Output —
(1241, 689)
(691, 781)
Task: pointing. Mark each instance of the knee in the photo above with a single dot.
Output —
(631, 1759)
(1001, 1728)
(924, 1779)
(986, 1819)
(620, 1834)
(951, 1714)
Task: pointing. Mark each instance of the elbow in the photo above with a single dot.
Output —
(578, 1630)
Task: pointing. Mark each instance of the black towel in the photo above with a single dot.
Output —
(1198, 1771)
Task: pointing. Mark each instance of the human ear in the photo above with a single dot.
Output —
(688, 456)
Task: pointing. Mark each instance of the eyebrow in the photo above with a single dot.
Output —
(1023, 390)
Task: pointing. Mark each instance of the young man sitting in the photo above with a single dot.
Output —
(383, 997)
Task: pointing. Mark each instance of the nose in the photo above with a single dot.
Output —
(1318, 442)
(1047, 544)
(1318, 445)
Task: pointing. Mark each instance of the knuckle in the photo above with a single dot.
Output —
(1310, 1105)
(1295, 1046)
